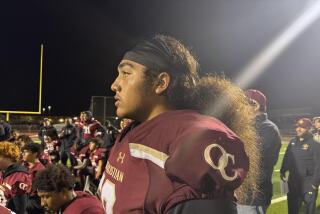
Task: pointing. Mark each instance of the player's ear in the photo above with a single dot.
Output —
(257, 107)
(162, 83)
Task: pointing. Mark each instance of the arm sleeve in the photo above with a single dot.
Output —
(286, 159)
(99, 130)
(7, 128)
(207, 159)
(20, 188)
(102, 154)
(224, 206)
(316, 159)
(271, 143)
(93, 210)
(73, 134)
(18, 203)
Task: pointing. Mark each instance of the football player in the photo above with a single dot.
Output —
(172, 158)
(55, 188)
(15, 181)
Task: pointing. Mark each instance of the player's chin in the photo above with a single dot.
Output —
(121, 112)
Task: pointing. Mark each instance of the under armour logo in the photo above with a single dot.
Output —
(121, 156)
(222, 163)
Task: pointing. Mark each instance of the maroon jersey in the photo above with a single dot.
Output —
(14, 181)
(176, 156)
(4, 210)
(91, 129)
(98, 154)
(51, 145)
(84, 153)
(78, 124)
(33, 169)
(45, 158)
(84, 203)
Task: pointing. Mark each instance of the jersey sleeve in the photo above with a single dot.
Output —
(84, 153)
(208, 161)
(21, 183)
(101, 154)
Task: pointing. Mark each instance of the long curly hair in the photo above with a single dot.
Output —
(219, 98)
(10, 150)
(54, 178)
(212, 95)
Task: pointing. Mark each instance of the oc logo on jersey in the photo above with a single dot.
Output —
(222, 163)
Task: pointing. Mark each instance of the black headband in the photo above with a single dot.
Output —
(149, 54)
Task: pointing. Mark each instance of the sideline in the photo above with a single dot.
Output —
(277, 200)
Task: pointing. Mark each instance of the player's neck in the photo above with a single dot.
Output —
(157, 110)
(71, 195)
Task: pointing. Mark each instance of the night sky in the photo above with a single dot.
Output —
(84, 41)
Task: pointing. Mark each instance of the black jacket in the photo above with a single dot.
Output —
(302, 160)
(68, 137)
(270, 140)
(17, 203)
(5, 129)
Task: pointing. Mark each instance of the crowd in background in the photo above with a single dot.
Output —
(81, 145)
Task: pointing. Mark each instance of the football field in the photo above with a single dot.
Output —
(279, 202)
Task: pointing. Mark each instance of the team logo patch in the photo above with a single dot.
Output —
(222, 163)
(23, 186)
(121, 157)
(305, 146)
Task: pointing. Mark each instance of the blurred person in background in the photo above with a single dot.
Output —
(302, 161)
(5, 129)
(14, 134)
(91, 128)
(15, 181)
(316, 129)
(23, 140)
(54, 157)
(93, 161)
(67, 137)
(270, 144)
(48, 135)
(78, 123)
(31, 153)
(124, 123)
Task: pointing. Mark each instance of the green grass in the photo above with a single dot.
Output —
(281, 208)
(276, 172)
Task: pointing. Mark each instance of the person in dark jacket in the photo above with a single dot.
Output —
(302, 161)
(67, 136)
(47, 131)
(270, 140)
(5, 130)
(316, 129)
